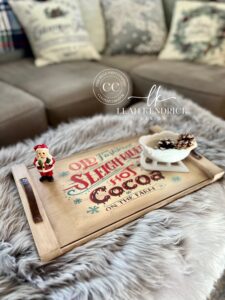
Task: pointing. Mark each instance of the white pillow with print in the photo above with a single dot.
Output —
(56, 30)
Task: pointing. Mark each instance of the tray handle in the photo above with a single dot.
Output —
(35, 212)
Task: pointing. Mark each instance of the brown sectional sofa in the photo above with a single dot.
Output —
(32, 98)
(201, 83)
(21, 115)
(64, 89)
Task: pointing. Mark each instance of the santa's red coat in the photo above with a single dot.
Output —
(47, 168)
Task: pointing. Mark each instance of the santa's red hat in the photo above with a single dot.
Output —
(41, 146)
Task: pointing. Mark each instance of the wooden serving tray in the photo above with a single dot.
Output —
(99, 190)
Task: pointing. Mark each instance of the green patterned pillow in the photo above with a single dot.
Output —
(197, 33)
(169, 8)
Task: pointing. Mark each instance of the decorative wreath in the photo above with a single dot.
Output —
(194, 51)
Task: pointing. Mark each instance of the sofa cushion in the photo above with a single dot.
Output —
(201, 83)
(65, 89)
(126, 62)
(21, 115)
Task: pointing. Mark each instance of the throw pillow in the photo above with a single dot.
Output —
(13, 41)
(134, 26)
(94, 22)
(55, 29)
(197, 33)
(169, 8)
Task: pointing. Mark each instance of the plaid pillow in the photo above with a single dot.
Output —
(12, 36)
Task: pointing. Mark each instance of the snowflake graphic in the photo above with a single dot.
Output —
(161, 186)
(93, 209)
(176, 178)
(63, 174)
(77, 201)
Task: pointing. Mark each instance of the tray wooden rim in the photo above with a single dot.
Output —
(44, 236)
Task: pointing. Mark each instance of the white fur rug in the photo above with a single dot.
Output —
(174, 253)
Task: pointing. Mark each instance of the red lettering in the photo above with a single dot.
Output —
(125, 155)
(83, 164)
(113, 181)
(105, 169)
(110, 165)
(129, 184)
(75, 166)
(132, 171)
(156, 175)
(91, 178)
(99, 173)
(88, 162)
(118, 161)
(94, 195)
(142, 179)
(116, 191)
(126, 185)
(82, 184)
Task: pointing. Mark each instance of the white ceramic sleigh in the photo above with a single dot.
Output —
(163, 160)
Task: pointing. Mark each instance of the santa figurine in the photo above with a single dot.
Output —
(44, 162)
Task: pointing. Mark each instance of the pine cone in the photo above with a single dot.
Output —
(166, 144)
(185, 141)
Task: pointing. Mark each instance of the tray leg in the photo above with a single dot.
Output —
(150, 164)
